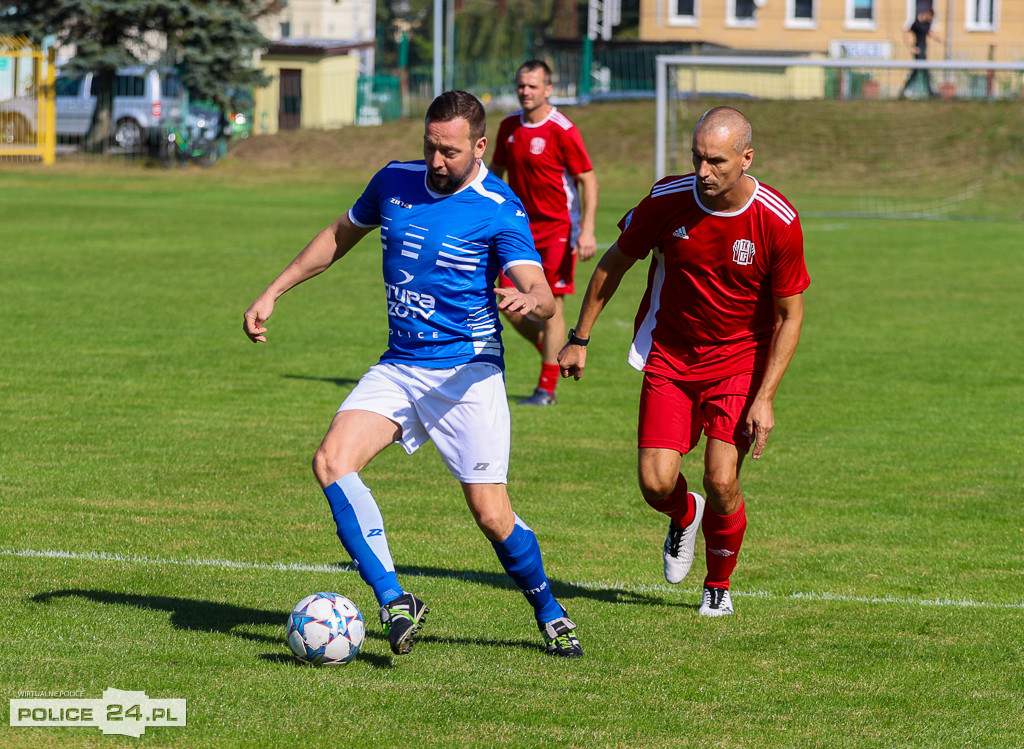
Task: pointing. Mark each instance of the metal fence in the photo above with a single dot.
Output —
(579, 76)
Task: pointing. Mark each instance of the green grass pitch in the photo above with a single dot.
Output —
(159, 518)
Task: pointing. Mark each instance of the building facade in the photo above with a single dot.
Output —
(349, 20)
(972, 30)
(321, 50)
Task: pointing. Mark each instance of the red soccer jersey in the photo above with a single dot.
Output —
(541, 162)
(709, 309)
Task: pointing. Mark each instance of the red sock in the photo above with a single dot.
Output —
(678, 505)
(548, 377)
(723, 536)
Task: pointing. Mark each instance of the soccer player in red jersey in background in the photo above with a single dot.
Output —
(547, 165)
(715, 332)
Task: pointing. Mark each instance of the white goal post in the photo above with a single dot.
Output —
(690, 77)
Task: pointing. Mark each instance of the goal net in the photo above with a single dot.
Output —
(909, 139)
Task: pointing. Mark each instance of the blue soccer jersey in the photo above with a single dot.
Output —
(441, 256)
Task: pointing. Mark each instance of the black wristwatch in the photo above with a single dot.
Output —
(575, 340)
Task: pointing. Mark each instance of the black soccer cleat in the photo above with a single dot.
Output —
(402, 618)
(560, 638)
(540, 397)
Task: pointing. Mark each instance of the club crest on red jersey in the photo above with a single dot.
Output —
(537, 146)
(743, 252)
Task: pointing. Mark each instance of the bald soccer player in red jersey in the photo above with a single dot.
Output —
(715, 333)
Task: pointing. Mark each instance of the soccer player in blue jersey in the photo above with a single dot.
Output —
(447, 227)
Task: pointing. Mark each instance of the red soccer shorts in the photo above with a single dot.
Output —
(559, 261)
(673, 413)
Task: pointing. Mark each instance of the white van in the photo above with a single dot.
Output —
(143, 100)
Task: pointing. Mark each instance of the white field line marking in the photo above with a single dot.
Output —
(102, 556)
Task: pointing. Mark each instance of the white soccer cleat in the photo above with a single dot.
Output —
(679, 544)
(716, 602)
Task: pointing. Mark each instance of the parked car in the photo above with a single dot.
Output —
(143, 99)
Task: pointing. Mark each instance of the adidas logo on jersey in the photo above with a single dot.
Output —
(681, 233)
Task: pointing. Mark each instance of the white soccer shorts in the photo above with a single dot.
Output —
(463, 410)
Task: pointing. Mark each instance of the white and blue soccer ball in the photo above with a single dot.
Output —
(326, 629)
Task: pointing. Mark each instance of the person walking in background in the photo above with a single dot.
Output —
(547, 166)
(715, 333)
(917, 39)
(447, 227)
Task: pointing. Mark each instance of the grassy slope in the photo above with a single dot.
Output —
(824, 155)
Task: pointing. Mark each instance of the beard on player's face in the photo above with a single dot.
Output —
(448, 180)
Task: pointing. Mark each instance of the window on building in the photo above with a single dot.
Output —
(682, 12)
(981, 15)
(860, 14)
(741, 13)
(744, 10)
(801, 14)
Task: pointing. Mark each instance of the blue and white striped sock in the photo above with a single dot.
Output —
(361, 530)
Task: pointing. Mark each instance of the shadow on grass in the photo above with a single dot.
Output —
(562, 590)
(224, 618)
(208, 616)
(339, 381)
(187, 613)
(286, 660)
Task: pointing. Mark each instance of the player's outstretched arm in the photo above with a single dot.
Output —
(532, 296)
(789, 315)
(607, 275)
(328, 246)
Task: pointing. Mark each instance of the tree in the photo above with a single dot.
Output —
(500, 29)
(485, 29)
(414, 19)
(210, 41)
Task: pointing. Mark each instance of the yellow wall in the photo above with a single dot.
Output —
(781, 83)
(329, 86)
(1006, 43)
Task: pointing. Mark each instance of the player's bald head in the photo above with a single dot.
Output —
(726, 121)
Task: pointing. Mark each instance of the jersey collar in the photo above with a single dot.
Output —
(482, 172)
(753, 194)
(524, 123)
